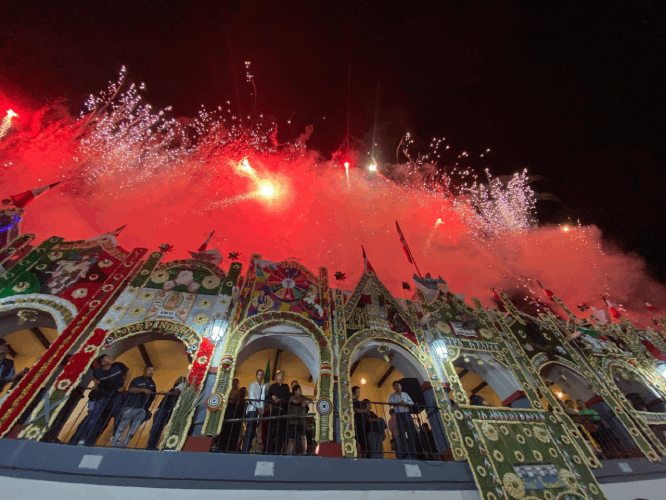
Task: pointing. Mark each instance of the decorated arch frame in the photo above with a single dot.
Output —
(233, 346)
(347, 430)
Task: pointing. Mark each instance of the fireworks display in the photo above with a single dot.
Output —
(173, 180)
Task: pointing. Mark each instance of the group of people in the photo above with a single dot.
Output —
(407, 442)
(128, 407)
(282, 408)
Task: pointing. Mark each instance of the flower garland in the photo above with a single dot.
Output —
(201, 361)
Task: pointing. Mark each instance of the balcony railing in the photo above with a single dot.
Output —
(607, 437)
(399, 432)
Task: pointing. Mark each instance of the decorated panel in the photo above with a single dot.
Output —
(287, 287)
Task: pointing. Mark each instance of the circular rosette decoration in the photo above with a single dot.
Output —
(80, 293)
(541, 434)
(288, 284)
(513, 485)
(226, 361)
(568, 479)
(325, 369)
(490, 431)
(160, 276)
(324, 406)
(21, 287)
(137, 312)
(214, 402)
(200, 319)
(210, 282)
(146, 296)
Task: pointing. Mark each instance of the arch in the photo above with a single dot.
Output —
(501, 380)
(62, 311)
(642, 386)
(303, 347)
(265, 321)
(186, 334)
(373, 337)
(579, 391)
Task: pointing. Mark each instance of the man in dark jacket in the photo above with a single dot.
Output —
(140, 396)
(110, 379)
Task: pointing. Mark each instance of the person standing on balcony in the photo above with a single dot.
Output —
(298, 410)
(359, 422)
(141, 394)
(278, 395)
(163, 413)
(7, 372)
(255, 407)
(373, 431)
(402, 404)
(110, 379)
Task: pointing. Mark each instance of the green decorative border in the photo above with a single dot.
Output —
(233, 345)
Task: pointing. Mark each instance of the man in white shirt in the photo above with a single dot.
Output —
(254, 409)
(402, 403)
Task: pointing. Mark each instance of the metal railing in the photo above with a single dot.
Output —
(607, 436)
(404, 433)
(254, 426)
(91, 418)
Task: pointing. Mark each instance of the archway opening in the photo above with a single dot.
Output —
(637, 390)
(487, 382)
(599, 426)
(395, 411)
(253, 421)
(87, 424)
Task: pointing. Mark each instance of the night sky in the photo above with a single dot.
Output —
(570, 90)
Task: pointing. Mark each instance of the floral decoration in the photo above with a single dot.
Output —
(541, 434)
(160, 277)
(490, 431)
(514, 485)
(55, 255)
(205, 303)
(593, 488)
(569, 479)
(80, 293)
(21, 287)
(497, 455)
(481, 471)
(553, 452)
(146, 296)
(527, 431)
(89, 348)
(520, 438)
(200, 319)
(210, 282)
(547, 495)
(172, 442)
(137, 312)
(63, 384)
(519, 456)
(537, 456)
(105, 263)
(469, 441)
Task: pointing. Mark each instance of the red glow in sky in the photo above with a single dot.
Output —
(307, 208)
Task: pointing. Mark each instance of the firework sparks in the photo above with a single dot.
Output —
(123, 160)
(7, 122)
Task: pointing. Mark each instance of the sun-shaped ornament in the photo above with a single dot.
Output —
(288, 283)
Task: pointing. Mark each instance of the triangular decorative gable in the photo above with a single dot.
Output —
(371, 305)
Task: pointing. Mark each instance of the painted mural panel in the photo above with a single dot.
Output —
(72, 271)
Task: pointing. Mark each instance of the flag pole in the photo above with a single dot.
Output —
(407, 249)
